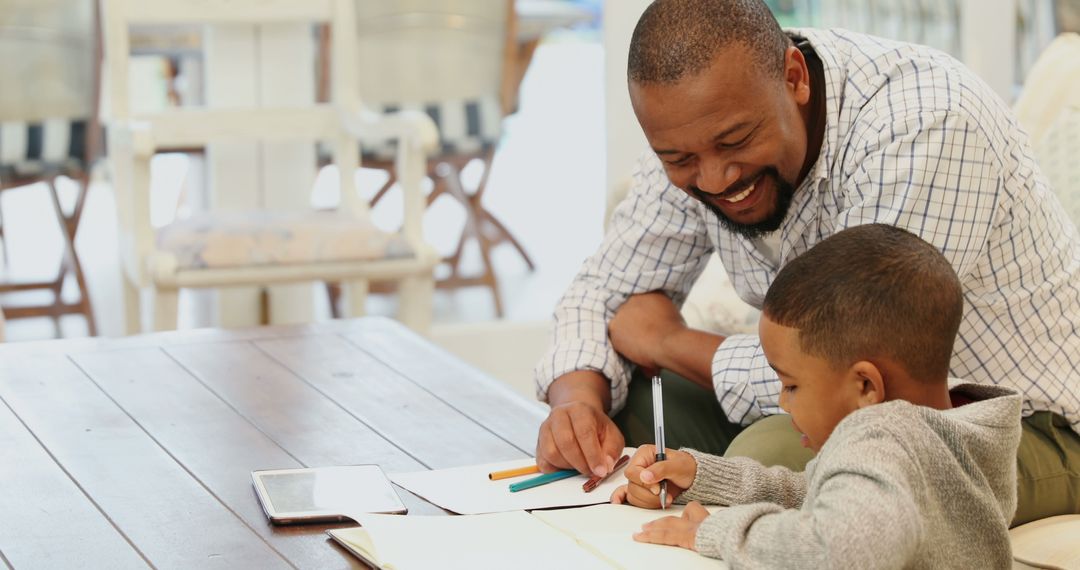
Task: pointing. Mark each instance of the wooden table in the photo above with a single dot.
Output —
(137, 452)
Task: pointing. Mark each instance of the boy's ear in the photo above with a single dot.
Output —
(871, 383)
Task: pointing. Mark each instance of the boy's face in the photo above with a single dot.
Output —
(816, 394)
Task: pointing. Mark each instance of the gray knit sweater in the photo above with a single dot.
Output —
(895, 486)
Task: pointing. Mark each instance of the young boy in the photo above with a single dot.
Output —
(860, 330)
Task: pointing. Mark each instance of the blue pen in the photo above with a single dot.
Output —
(542, 480)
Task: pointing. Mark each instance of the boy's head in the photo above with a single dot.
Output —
(867, 315)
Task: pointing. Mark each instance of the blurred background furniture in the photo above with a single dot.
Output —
(50, 72)
(259, 247)
(1049, 108)
(455, 60)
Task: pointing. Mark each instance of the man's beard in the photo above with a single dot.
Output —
(784, 193)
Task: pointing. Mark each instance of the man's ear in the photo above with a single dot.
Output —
(797, 74)
(871, 383)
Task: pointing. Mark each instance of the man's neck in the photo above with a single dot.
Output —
(814, 112)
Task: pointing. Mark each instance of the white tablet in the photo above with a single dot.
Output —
(324, 494)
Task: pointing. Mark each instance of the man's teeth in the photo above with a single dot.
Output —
(741, 195)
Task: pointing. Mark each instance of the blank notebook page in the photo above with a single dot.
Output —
(607, 531)
(504, 540)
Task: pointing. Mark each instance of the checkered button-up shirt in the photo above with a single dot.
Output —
(912, 139)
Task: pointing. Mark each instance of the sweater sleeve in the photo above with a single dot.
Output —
(740, 480)
(862, 514)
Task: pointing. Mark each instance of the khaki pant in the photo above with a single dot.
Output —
(1048, 460)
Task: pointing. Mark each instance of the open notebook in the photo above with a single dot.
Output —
(590, 537)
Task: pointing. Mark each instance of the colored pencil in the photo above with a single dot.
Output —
(542, 480)
(527, 470)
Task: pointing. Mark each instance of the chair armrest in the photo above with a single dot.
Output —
(409, 127)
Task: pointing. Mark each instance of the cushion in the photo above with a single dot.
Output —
(1058, 154)
(244, 239)
(1048, 543)
(40, 147)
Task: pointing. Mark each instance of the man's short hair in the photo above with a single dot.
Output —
(680, 38)
(872, 291)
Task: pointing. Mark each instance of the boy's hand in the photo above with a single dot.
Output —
(675, 531)
(644, 473)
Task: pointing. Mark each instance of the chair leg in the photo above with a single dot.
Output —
(415, 302)
(166, 305)
(505, 235)
(132, 306)
(356, 293)
(68, 227)
(333, 294)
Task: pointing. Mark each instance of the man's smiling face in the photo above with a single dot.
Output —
(732, 136)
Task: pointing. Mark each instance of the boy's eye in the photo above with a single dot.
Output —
(681, 162)
(790, 389)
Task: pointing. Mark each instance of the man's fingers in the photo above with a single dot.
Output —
(613, 442)
(548, 457)
(583, 422)
(567, 443)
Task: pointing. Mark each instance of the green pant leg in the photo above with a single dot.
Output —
(1047, 469)
(692, 416)
(771, 441)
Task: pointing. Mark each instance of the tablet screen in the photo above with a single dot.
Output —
(325, 493)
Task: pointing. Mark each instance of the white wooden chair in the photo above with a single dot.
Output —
(263, 247)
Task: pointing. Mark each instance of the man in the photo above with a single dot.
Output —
(763, 144)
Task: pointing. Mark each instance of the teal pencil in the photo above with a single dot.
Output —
(542, 480)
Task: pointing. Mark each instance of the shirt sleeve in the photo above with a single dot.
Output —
(656, 241)
(932, 173)
(853, 497)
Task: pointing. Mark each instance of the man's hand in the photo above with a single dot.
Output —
(644, 473)
(577, 433)
(675, 531)
(641, 325)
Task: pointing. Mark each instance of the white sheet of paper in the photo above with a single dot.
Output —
(607, 531)
(503, 540)
(468, 491)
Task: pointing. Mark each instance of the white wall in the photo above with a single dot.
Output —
(624, 138)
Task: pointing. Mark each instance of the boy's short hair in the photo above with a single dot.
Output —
(872, 291)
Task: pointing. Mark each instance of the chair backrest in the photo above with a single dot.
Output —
(50, 75)
(188, 127)
(448, 58)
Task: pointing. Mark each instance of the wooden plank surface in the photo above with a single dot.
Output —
(47, 521)
(173, 520)
(213, 443)
(138, 451)
(416, 420)
(461, 386)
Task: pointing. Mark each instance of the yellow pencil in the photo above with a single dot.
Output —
(496, 475)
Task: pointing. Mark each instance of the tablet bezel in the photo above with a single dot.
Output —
(320, 516)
